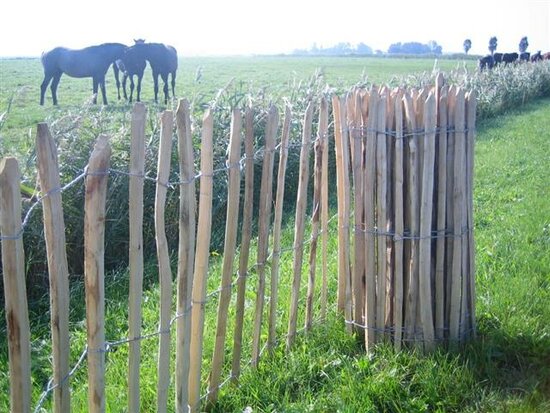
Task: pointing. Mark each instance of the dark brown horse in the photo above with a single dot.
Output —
(93, 61)
(131, 64)
(163, 60)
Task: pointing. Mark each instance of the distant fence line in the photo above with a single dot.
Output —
(405, 272)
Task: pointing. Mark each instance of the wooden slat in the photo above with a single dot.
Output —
(94, 250)
(54, 232)
(15, 290)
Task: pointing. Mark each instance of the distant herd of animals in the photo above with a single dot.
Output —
(94, 62)
(495, 59)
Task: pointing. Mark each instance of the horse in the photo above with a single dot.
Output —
(536, 57)
(163, 60)
(497, 58)
(92, 61)
(132, 64)
(509, 58)
(486, 62)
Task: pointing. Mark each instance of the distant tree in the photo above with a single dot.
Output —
(415, 48)
(362, 48)
(493, 44)
(523, 45)
(467, 45)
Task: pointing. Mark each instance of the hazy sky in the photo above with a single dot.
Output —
(220, 27)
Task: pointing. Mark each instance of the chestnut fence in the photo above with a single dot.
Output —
(402, 272)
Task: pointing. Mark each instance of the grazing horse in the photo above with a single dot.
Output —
(163, 60)
(509, 58)
(498, 58)
(131, 64)
(93, 61)
(536, 57)
(486, 62)
(524, 56)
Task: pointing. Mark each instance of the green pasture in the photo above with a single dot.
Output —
(505, 369)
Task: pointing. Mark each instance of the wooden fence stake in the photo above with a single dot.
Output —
(165, 273)
(137, 171)
(15, 290)
(471, 109)
(458, 201)
(54, 231)
(399, 222)
(370, 217)
(301, 203)
(263, 227)
(245, 241)
(426, 207)
(231, 224)
(323, 136)
(277, 222)
(201, 262)
(186, 253)
(94, 250)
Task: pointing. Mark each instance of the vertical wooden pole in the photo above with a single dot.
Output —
(315, 222)
(426, 207)
(323, 135)
(94, 250)
(412, 219)
(470, 143)
(381, 215)
(201, 262)
(231, 223)
(185, 253)
(245, 241)
(458, 210)
(399, 222)
(441, 216)
(301, 203)
(15, 290)
(54, 231)
(263, 230)
(355, 122)
(165, 273)
(370, 244)
(137, 171)
(277, 222)
(342, 178)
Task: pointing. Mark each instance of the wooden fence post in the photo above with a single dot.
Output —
(301, 204)
(266, 197)
(245, 241)
(230, 243)
(341, 149)
(277, 222)
(426, 207)
(165, 274)
(458, 210)
(94, 249)
(201, 262)
(137, 171)
(15, 291)
(54, 231)
(323, 136)
(471, 109)
(399, 222)
(185, 253)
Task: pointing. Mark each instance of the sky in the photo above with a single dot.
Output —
(228, 27)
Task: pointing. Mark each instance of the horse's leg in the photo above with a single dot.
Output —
(156, 85)
(55, 83)
(117, 81)
(44, 86)
(103, 91)
(131, 88)
(174, 84)
(124, 79)
(140, 76)
(165, 88)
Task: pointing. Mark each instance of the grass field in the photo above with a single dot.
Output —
(506, 369)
